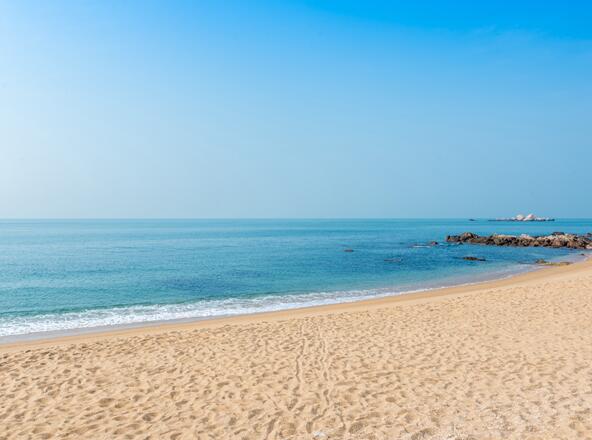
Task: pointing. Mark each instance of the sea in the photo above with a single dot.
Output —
(70, 276)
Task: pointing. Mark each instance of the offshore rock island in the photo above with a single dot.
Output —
(524, 218)
(555, 240)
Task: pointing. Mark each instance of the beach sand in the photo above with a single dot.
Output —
(510, 359)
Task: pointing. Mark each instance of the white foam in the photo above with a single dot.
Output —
(166, 312)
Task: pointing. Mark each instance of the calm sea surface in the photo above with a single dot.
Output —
(60, 275)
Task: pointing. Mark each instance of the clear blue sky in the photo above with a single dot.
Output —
(295, 109)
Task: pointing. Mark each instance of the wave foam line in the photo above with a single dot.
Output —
(206, 309)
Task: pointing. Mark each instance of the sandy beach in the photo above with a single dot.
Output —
(510, 359)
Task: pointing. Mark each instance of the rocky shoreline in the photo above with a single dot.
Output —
(555, 240)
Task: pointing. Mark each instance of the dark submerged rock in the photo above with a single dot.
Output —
(552, 263)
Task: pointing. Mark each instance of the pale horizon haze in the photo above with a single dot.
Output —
(295, 109)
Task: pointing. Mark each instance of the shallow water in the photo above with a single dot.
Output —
(69, 274)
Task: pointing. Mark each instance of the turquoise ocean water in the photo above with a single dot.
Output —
(59, 275)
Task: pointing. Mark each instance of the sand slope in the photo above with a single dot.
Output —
(511, 360)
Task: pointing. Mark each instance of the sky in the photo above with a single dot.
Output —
(313, 109)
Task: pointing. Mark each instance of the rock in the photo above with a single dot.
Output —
(473, 258)
(467, 236)
(555, 240)
(552, 263)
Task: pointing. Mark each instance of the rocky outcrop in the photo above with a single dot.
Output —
(555, 240)
(473, 258)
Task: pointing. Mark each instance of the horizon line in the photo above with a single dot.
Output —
(277, 218)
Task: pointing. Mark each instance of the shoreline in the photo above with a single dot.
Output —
(506, 359)
(61, 337)
(378, 293)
